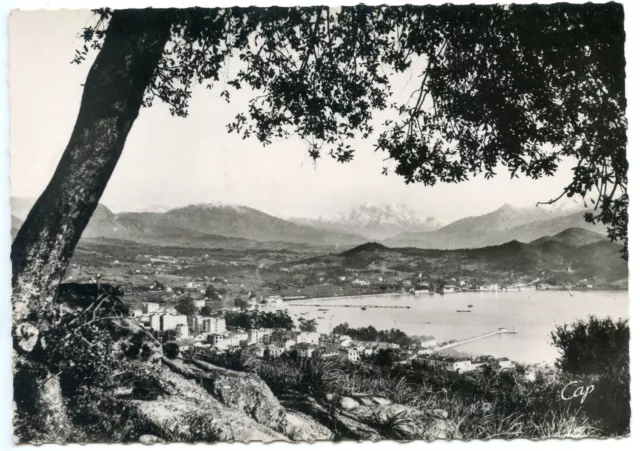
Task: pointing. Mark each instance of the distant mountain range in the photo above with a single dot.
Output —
(505, 224)
(579, 251)
(221, 225)
(205, 225)
(375, 221)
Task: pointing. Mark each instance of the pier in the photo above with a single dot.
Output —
(502, 330)
(349, 306)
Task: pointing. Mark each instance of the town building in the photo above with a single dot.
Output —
(260, 336)
(304, 350)
(182, 331)
(208, 324)
(312, 338)
(168, 321)
(199, 303)
(154, 321)
(328, 352)
(428, 342)
(275, 351)
(504, 363)
(150, 307)
(361, 283)
(273, 300)
(350, 354)
(220, 341)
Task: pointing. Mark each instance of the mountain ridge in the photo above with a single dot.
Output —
(375, 221)
(502, 225)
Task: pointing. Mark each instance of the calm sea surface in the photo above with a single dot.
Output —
(533, 313)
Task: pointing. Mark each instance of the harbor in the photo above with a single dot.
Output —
(500, 331)
(360, 306)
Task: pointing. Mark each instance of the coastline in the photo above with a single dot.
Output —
(405, 293)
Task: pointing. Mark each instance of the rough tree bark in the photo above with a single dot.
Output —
(112, 97)
(111, 100)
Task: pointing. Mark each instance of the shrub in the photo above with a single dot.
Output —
(595, 346)
(171, 349)
(597, 352)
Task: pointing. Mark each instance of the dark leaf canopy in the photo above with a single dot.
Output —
(518, 86)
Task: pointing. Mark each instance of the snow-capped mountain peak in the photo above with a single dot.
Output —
(378, 221)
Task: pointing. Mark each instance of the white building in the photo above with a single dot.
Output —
(361, 283)
(208, 324)
(154, 321)
(286, 344)
(182, 331)
(199, 303)
(217, 340)
(275, 351)
(213, 325)
(490, 287)
(226, 340)
(150, 307)
(136, 313)
(428, 342)
(350, 354)
(260, 336)
(168, 322)
(273, 300)
(504, 362)
(311, 338)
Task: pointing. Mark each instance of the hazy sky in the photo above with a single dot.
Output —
(173, 161)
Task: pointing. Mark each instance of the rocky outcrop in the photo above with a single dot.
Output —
(374, 418)
(249, 394)
(152, 398)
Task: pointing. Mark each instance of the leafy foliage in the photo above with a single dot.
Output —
(597, 352)
(370, 333)
(186, 306)
(519, 86)
(206, 311)
(308, 325)
(171, 349)
(595, 346)
(256, 320)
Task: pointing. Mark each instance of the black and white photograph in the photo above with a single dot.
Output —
(319, 223)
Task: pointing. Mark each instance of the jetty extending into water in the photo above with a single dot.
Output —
(350, 306)
(502, 330)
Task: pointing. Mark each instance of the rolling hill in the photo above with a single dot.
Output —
(598, 260)
(575, 236)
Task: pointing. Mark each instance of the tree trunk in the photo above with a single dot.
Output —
(111, 100)
(112, 97)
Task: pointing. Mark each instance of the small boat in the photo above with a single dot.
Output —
(463, 311)
(470, 305)
(570, 293)
(363, 308)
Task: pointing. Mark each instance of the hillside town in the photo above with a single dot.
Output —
(198, 332)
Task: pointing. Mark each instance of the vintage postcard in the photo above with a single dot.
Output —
(310, 224)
